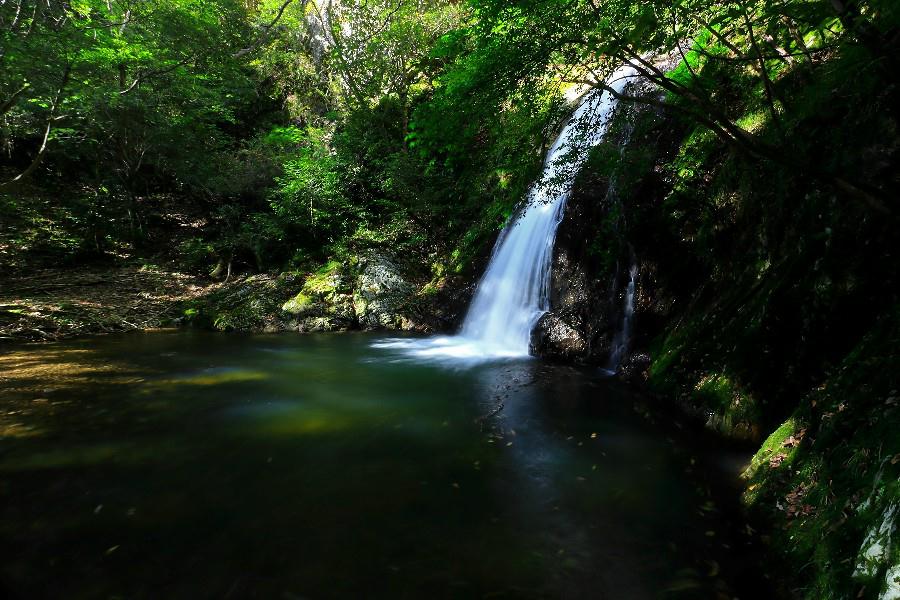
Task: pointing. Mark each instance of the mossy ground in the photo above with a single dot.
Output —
(829, 476)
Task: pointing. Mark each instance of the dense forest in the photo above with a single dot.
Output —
(258, 164)
(288, 132)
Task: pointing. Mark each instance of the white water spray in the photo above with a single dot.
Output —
(515, 289)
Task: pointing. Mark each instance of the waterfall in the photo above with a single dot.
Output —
(515, 289)
(623, 336)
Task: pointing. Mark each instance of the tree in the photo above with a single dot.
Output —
(382, 48)
(516, 44)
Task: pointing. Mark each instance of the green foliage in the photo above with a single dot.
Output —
(827, 478)
(310, 190)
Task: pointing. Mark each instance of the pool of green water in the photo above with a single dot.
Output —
(199, 465)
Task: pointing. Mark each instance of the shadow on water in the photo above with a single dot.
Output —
(204, 466)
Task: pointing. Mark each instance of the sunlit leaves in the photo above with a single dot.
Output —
(149, 83)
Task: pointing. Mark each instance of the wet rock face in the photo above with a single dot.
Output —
(634, 367)
(599, 240)
(554, 338)
(584, 305)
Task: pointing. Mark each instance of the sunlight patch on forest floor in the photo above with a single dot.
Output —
(53, 304)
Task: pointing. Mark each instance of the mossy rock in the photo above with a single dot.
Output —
(324, 292)
(298, 305)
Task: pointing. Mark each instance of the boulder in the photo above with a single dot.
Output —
(325, 303)
(553, 338)
(380, 294)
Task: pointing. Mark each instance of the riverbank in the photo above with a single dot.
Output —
(53, 304)
(360, 293)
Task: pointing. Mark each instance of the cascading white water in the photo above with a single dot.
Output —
(623, 337)
(514, 291)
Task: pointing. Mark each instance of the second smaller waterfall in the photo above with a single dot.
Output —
(623, 337)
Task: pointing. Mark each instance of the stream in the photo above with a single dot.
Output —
(202, 465)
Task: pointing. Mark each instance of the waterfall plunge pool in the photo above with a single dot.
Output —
(200, 465)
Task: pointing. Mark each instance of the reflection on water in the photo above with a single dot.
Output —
(451, 351)
(193, 465)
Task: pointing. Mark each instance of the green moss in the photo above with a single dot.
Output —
(325, 280)
(320, 288)
(252, 303)
(826, 480)
(717, 389)
(298, 304)
(773, 445)
(734, 410)
(432, 287)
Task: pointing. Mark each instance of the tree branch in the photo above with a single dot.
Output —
(267, 31)
(50, 120)
(144, 75)
(10, 102)
(764, 73)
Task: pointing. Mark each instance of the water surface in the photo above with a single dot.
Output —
(194, 465)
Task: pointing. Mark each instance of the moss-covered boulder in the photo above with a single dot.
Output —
(252, 303)
(324, 303)
(362, 292)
